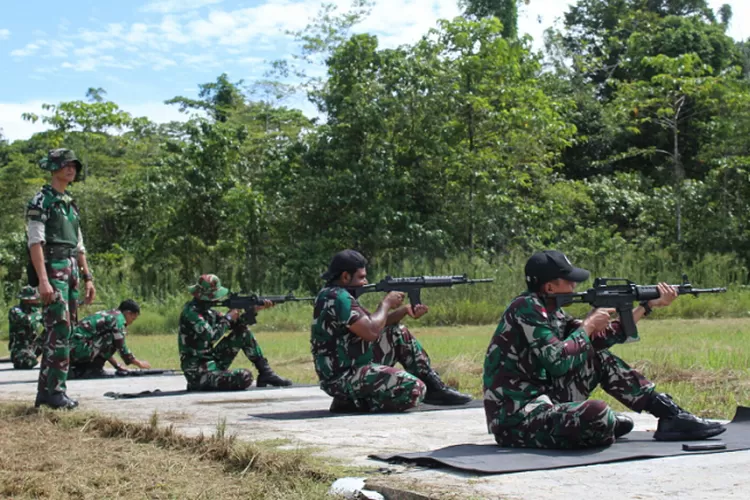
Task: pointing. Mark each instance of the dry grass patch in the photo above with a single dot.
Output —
(83, 455)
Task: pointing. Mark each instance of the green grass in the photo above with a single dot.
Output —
(478, 304)
(704, 364)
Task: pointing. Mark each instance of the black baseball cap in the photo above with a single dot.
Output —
(344, 261)
(550, 265)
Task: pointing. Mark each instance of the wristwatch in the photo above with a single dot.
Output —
(87, 277)
(646, 308)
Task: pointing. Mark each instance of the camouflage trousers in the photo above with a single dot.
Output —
(24, 354)
(59, 316)
(83, 351)
(379, 386)
(214, 375)
(564, 417)
(87, 356)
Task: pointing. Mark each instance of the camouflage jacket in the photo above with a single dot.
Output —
(105, 330)
(59, 214)
(24, 324)
(200, 327)
(336, 350)
(529, 349)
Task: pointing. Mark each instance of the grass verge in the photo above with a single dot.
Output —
(703, 363)
(84, 455)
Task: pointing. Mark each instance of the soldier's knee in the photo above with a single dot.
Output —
(597, 412)
(244, 379)
(25, 363)
(420, 390)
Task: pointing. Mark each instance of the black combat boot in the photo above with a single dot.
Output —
(623, 425)
(676, 424)
(345, 405)
(57, 400)
(440, 394)
(266, 375)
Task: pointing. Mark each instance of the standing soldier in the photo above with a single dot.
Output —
(25, 323)
(97, 337)
(57, 254)
(206, 364)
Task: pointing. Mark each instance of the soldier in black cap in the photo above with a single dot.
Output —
(355, 351)
(542, 365)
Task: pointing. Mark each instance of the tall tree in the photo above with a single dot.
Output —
(505, 10)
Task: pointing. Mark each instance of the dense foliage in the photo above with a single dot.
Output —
(629, 134)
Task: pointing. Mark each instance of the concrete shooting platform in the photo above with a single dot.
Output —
(352, 438)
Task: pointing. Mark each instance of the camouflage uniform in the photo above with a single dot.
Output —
(351, 368)
(539, 371)
(25, 326)
(96, 339)
(60, 217)
(205, 365)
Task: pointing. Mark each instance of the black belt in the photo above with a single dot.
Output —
(57, 252)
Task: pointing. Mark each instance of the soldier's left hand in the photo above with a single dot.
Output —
(417, 311)
(90, 293)
(667, 294)
(267, 304)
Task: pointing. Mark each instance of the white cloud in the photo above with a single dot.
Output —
(4, 34)
(26, 51)
(169, 6)
(13, 126)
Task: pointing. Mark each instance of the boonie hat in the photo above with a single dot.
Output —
(208, 288)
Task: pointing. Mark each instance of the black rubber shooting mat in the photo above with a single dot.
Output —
(492, 459)
(158, 393)
(324, 413)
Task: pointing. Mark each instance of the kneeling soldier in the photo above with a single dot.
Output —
(96, 338)
(24, 326)
(205, 359)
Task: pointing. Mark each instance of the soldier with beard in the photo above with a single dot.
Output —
(355, 351)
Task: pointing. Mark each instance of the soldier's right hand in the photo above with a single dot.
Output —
(597, 319)
(46, 291)
(394, 299)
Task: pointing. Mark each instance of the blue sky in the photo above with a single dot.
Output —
(146, 51)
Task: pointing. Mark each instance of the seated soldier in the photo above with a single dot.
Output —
(205, 359)
(96, 339)
(355, 352)
(542, 364)
(24, 327)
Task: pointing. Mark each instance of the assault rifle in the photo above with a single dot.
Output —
(145, 372)
(248, 303)
(413, 286)
(622, 296)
